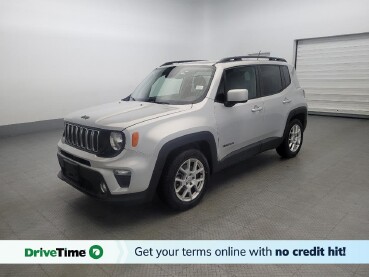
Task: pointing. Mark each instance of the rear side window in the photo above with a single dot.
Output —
(271, 81)
(286, 75)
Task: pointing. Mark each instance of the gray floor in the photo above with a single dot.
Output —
(321, 194)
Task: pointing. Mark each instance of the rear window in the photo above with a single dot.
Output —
(270, 77)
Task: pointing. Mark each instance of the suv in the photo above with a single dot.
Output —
(185, 121)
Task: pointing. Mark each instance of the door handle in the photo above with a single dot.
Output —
(256, 109)
(286, 100)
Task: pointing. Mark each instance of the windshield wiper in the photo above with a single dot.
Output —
(153, 100)
(128, 98)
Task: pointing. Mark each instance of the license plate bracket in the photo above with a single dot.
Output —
(71, 170)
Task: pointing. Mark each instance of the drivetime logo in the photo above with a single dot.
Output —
(95, 252)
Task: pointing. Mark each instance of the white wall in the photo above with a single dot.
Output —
(237, 27)
(61, 56)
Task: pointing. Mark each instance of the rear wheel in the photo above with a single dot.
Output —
(292, 140)
(185, 179)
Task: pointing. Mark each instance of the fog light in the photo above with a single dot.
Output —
(103, 187)
(123, 177)
(122, 172)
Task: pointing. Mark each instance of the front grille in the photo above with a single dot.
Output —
(82, 137)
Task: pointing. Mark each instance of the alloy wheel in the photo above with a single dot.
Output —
(189, 180)
(294, 138)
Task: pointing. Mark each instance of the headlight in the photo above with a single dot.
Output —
(116, 140)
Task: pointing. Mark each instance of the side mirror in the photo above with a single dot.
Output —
(235, 96)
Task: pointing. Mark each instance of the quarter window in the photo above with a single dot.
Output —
(221, 91)
(271, 82)
(286, 75)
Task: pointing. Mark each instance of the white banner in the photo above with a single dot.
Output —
(184, 252)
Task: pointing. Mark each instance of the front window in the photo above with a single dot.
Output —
(240, 77)
(175, 85)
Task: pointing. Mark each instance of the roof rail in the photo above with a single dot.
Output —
(184, 61)
(240, 58)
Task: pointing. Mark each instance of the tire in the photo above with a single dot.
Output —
(193, 184)
(292, 140)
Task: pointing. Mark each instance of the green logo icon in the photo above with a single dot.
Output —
(96, 252)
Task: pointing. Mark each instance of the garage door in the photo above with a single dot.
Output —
(334, 72)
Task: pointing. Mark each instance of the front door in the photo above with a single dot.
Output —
(241, 125)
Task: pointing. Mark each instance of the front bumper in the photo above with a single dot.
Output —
(88, 180)
(138, 197)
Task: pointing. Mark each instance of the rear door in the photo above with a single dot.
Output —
(277, 98)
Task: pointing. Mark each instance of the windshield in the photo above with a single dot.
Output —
(176, 85)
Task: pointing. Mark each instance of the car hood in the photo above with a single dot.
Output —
(123, 114)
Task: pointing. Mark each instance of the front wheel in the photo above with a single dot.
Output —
(185, 179)
(292, 140)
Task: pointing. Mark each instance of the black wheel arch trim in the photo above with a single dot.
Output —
(178, 143)
(298, 111)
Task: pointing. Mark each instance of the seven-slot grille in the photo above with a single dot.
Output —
(82, 137)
